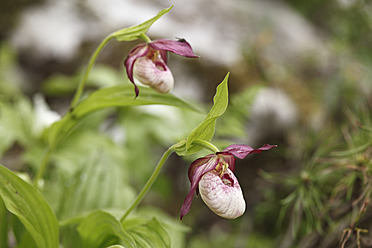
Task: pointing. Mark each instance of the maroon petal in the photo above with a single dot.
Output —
(137, 52)
(241, 151)
(199, 171)
(163, 55)
(180, 47)
(230, 160)
(197, 163)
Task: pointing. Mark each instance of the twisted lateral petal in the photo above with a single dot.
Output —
(241, 151)
(199, 162)
(137, 52)
(195, 178)
(182, 48)
(222, 195)
(156, 74)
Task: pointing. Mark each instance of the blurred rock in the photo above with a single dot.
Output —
(273, 114)
(217, 29)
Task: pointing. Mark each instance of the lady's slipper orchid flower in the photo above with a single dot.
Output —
(147, 62)
(213, 176)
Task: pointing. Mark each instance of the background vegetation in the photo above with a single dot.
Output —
(314, 190)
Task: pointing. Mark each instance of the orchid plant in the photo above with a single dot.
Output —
(212, 176)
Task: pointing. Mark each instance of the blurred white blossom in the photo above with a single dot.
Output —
(43, 115)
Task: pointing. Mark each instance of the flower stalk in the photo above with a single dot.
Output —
(207, 145)
(148, 184)
(93, 58)
(202, 143)
(74, 102)
(145, 38)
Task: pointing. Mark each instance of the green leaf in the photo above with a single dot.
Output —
(100, 228)
(60, 129)
(135, 32)
(99, 183)
(60, 85)
(3, 225)
(147, 233)
(30, 207)
(14, 113)
(205, 130)
(117, 96)
(25, 240)
(122, 95)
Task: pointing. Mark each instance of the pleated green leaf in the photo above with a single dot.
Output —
(30, 207)
(135, 32)
(3, 225)
(122, 95)
(147, 233)
(117, 96)
(100, 229)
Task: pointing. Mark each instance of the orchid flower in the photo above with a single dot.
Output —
(147, 62)
(213, 177)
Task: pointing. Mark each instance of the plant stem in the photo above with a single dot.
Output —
(146, 188)
(77, 96)
(148, 184)
(93, 58)
(207, 145)
(74, 102)
(145, 38)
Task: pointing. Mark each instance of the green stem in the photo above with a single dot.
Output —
(207, 145)
(81, 85)
(43, 166)
(145, 38)
(74, 102)
(149, 183)
(77, 96)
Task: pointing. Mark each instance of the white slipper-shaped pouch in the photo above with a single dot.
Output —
(222, 194)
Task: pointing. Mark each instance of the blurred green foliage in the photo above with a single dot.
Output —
(314, 191)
